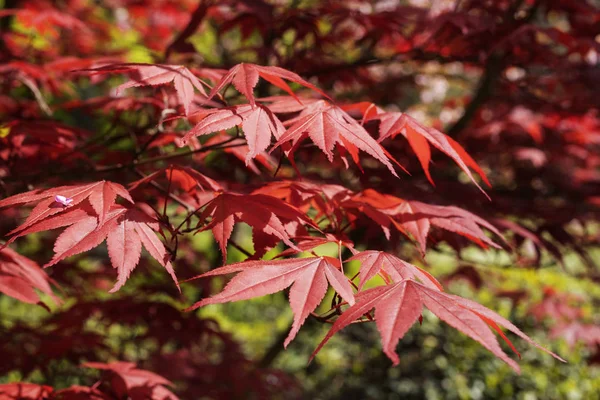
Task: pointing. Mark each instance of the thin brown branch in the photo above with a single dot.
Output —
(195, 21)
(124, 166)
(239, 248)
(166, 192)
(492, 71)
(274, 349)
(216, 146)
(36, 93)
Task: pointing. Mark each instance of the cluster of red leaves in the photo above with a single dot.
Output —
(92, 215)
(121, 380)
(20, 276)
(398, 305)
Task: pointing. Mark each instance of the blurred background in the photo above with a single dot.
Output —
(515, 82)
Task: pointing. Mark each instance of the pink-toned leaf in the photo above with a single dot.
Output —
(14, 265)
(156, 74)
(307, 276)
(395, 313)
(326, 124)
(124, 249)
(156, 249)
(394, 123)
(245, 76)
(372, 262)
(465, 321)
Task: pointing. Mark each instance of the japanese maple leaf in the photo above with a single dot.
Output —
(257, 122)
(19, 276)
(417, 217)
(125, 240)
(418, 227)
(91, 216)
(419, 137)
(372, 262)
(399, 305)
(187, 184)
(308, 243)
(101, 195)
(307, 276)
(366, 109)
(244, 78)
(375, 206)
(24, 391)
(288, 104)
(327, 125)
(326, 199)
(125, 231)
(130, 382)
(185, 178)
(157, 74)
(297, 193)
(267, 215)
(397, 308)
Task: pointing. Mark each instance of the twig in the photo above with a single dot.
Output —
(492, 71)
(239, 248)
(274, 349)
(195, 21)
(216, 146)
(36, 92)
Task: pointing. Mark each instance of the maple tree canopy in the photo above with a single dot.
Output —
(264, 132)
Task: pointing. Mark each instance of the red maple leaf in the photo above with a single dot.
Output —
(416, 218)
(137, 384)
(372, 262)
(257, 122)
(244, 77)
(24, 391)
(327, 125)
(186, 178)
(419, 137)
(157, 74)
(308, 277)
(238, 147)
(101, 195)
(288, 104)
(92, 216)
(269, 217)
(399, 305)
(19, 276)
(326, 199)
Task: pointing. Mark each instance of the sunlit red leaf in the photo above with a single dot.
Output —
(307, 276)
